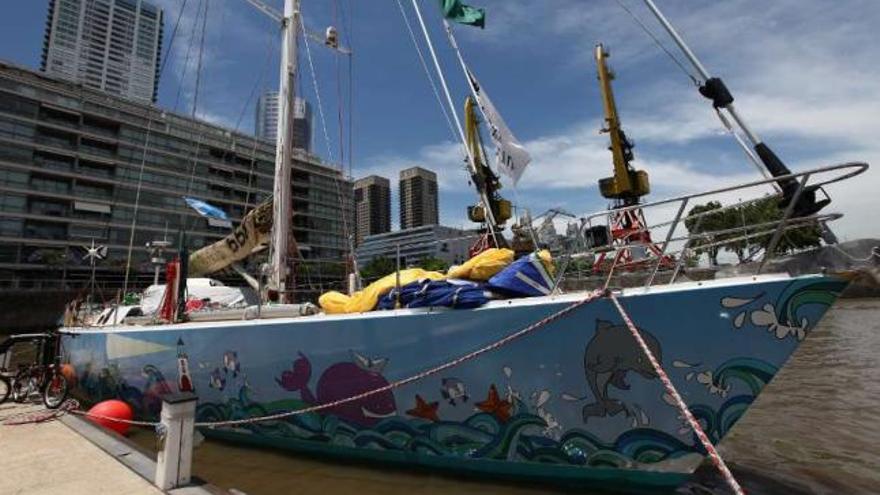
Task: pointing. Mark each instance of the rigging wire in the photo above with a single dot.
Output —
(317, 91)
(470, 157)
(147, 135)
(349, 36)
(198, 85)
(192, 37)
(344, 206)
(339, 102)
(427, 72)
(259, 82)
(647, 31)
(173, 34)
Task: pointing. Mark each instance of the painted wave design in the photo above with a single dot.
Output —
(754, 374)
(480, 436)
(798, 295)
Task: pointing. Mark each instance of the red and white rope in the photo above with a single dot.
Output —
(679, 402)
(419, 376)
(72, 406)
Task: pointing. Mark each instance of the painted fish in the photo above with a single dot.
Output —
(217, 379)
(231, 364)
(452, 389)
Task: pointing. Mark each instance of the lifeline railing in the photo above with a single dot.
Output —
(772, 230)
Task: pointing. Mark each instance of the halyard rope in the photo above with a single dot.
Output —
(679, 402)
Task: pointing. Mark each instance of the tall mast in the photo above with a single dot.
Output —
(279, 278)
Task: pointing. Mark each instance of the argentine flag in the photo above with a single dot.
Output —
(210, 211)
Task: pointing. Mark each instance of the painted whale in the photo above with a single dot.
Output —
(339, 381)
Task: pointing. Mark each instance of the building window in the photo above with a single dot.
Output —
(45, 230)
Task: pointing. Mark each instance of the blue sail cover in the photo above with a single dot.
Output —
(459, 294)
(525, 277)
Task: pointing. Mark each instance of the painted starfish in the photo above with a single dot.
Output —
(495, 406)
(424, 410)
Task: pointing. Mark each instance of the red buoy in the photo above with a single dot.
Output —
(111, 409)
(69, 373)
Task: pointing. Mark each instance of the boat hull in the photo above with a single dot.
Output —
(573, 402)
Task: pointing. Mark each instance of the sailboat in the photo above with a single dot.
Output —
(554, 389)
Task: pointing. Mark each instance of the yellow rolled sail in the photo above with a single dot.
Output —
(479, 268)
(365, 300)
(482, 266)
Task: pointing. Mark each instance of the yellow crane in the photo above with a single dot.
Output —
(627, 231)
(627, 185)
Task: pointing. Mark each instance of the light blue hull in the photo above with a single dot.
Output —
(573, 402)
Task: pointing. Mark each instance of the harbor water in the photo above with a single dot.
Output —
(814, 430)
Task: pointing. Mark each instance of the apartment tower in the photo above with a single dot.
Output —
(372, 203)
(418, 198)
(266, 120)
(109, 45)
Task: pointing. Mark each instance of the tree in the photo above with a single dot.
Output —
(434, 264)
(793, 239)
(742, 238)
(377, 268)
(702, 226)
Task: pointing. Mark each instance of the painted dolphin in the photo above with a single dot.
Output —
(340, 381)
(609, 356)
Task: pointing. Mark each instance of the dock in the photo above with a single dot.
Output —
(70, 455)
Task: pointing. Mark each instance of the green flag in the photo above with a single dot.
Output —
(456, 11)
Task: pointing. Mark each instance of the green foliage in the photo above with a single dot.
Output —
(742, 218)
(377, 268)
(704, 224)
(434, 264)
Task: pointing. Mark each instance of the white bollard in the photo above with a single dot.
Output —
(174, 463)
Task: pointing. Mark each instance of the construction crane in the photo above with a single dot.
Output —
(546, 233)
(487, 184)
(628, 230)
(627, 185)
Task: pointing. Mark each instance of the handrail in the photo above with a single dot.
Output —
(775, 229)
(859, 167)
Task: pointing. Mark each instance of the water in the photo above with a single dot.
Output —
(814, 430)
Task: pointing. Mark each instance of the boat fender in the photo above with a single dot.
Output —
(111, 409)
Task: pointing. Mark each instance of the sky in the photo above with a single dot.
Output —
(805, 75)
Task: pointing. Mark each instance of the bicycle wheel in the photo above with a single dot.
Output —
(55, 391)
(20, 386)
(5, 388)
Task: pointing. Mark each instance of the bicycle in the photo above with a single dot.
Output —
(5, 388)
(47, 381)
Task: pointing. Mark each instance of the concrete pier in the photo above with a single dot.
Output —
(72, 456)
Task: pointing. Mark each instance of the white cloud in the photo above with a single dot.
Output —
(803, 73)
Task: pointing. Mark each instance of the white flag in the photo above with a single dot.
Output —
(511, 157)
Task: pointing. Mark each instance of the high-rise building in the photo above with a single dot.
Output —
(418, 198)
(77, 165)
(302, 124)
(266, 120)
(110, 45)
(372, 203)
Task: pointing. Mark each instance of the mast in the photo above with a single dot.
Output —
(279, 277)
